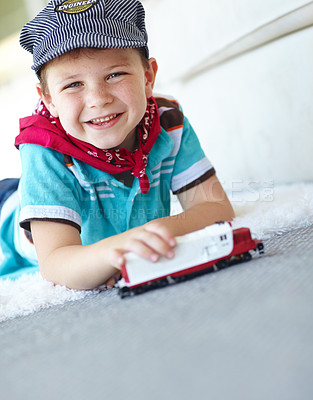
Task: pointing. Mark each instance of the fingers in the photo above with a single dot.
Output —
(152, 246)
(162, 232)
(150, 242)
(143, 249)
(117, 258)
(112, 281)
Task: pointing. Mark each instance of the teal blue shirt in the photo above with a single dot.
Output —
(93, 201)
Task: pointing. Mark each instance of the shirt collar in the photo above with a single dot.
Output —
(160, 150)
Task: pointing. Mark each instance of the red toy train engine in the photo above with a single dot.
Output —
(210, 249)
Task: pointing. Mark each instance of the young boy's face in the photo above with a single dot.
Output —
(100, 95)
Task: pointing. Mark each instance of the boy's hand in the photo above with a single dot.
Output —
(149, 241)
(65, 261)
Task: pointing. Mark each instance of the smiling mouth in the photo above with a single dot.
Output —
(103, 121)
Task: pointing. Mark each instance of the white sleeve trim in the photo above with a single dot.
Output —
(176, 136)
(50, 212)
(191, 174)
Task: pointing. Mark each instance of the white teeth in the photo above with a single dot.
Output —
(101, 120)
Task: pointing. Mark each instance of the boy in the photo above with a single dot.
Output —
(101, 154)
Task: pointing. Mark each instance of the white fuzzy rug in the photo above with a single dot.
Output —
(267, 212)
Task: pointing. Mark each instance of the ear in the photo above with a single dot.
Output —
(47, 99)
(150, 75)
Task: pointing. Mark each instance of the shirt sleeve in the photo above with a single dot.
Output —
(48, 190)
(191, 164)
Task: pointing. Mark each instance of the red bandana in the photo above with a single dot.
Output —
(45, 130)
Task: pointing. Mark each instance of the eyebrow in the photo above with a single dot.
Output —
(119, 65)
(70, 77)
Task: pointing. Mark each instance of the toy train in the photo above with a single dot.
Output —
(210, 249)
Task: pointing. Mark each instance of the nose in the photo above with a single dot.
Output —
(98, 96)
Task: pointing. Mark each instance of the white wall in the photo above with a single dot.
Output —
(17, 99)
(253, 112)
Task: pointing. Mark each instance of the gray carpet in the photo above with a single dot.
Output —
(243, 333)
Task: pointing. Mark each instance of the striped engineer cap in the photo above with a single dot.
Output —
(69, 24)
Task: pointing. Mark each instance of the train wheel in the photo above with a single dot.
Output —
(124, 292)
(138, 290)
(222, 264)
(247, 256)
(163, 282)
(178, 279)
(261, 248)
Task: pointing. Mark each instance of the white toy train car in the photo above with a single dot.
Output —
(210, 249)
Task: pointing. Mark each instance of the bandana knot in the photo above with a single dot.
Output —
(139, 170)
